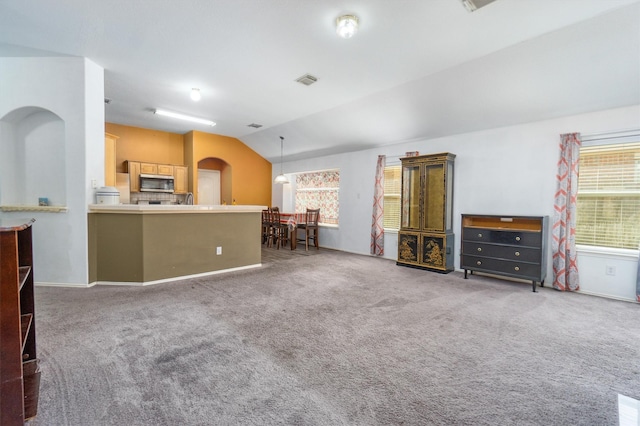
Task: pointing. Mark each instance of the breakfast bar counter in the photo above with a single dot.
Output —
(147, 244)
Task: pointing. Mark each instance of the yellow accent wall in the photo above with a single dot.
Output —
(145, 145)
(246, 177)
(250, 173)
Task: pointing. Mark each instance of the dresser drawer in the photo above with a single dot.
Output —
(501, 266)
(515, 237)
(521, 254)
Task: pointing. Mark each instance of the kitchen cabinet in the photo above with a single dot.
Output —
(425, 238)
(110, 159)
(149, 168)
(512, 246)
(19, 372)
(180, 180)
(133, 168)
(165, 169)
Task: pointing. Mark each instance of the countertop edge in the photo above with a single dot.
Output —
(165, 209)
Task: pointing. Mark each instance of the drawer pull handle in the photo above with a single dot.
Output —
(517, 268)
(479, 235)
(517, 253)
(517, 238)
(479, 248)
(478, 263)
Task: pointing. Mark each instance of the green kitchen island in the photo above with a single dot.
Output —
(133, 244)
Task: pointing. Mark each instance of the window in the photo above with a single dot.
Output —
(392, 184)
(319, 190)
(609, 195)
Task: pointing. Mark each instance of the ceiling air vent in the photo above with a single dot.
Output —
(473, 5)
(254, 125)
(307, 79)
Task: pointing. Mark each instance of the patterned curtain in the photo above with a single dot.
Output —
(565, 266)
(638, 281)
(377, 225)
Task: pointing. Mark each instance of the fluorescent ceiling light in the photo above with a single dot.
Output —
(183, 117)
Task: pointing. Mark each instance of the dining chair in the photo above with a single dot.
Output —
(310, 227)
(279, 231)
(266, 225)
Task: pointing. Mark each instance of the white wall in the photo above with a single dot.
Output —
(502, 171)
(71, 89)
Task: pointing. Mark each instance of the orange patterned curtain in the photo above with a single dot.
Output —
(565, 265)
(377, 220)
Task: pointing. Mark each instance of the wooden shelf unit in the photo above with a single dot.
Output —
(19, 372)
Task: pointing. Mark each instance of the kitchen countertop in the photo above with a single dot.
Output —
(172, 208)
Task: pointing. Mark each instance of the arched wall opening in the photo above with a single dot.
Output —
(33, 163)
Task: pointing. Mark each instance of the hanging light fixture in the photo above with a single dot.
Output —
(195, 94)
(347, 26)
(281, 178)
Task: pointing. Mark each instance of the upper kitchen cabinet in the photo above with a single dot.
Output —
(149, 168)
(133, 168)
(110, 159)
(165, 169)
(180, 179)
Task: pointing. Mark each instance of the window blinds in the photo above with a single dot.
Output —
(609, 196)
(392, 185)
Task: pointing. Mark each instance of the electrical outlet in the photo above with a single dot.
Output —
(218, 250)
(94, 183)
(610, 270)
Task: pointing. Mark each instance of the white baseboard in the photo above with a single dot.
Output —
(180, 278)
(63, 285)
(608, 296)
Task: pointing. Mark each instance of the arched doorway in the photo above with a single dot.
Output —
(214, 181)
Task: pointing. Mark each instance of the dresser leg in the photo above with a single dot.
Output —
(465, 274)
(534, 286)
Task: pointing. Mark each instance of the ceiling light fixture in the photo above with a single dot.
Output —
(347, 26)
(183, 117)
(195, 94)
(281, 178)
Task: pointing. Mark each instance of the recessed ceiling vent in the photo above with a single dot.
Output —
(473, 5)
(254, 125)
(307, 79)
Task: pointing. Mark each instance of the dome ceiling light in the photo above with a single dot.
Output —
(195, 94)
(347, 26)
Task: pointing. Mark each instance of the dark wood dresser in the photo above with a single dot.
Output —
(511, 246)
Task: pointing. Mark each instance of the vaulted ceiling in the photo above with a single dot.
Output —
(417, 69)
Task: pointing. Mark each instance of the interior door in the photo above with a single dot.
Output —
(209, 187)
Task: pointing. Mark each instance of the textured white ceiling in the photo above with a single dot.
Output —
(416, 68)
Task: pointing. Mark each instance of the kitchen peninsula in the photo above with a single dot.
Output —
(147, 244)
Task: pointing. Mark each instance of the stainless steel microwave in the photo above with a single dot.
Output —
(156, 183)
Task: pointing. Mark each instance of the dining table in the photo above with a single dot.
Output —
(293, 220)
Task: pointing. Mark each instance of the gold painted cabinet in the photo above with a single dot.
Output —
(425, 239)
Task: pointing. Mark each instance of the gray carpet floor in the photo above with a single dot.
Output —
(331, 338)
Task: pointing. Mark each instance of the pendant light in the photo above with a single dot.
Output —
(281, 178)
